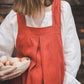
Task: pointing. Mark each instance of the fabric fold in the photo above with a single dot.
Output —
(69, 79)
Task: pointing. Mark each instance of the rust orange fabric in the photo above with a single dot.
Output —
(45, 49)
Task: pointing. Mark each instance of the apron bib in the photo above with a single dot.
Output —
(45, 49)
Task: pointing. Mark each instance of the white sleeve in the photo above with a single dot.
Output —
(7, 38)
(72, 49)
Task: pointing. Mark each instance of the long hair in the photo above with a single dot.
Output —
(30, 6)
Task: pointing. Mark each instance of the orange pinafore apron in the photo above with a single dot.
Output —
(45, 49)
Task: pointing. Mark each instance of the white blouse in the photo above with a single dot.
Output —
(71, 43)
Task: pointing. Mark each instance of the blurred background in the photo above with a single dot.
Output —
(78, 13)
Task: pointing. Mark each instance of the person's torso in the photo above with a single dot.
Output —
(47, 41)
(47, 21)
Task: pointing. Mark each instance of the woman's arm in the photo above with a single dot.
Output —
(6, 36)
(72, 49)
(7, 42)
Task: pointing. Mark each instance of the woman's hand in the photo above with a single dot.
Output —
(7, 74)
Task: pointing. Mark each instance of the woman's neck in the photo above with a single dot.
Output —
(39, 16)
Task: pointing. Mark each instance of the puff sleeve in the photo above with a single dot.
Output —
(72, 49)
(7, 35)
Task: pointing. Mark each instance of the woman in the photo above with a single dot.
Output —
(45, 31)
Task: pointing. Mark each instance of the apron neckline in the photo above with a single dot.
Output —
(40, 28)
(43, 30)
